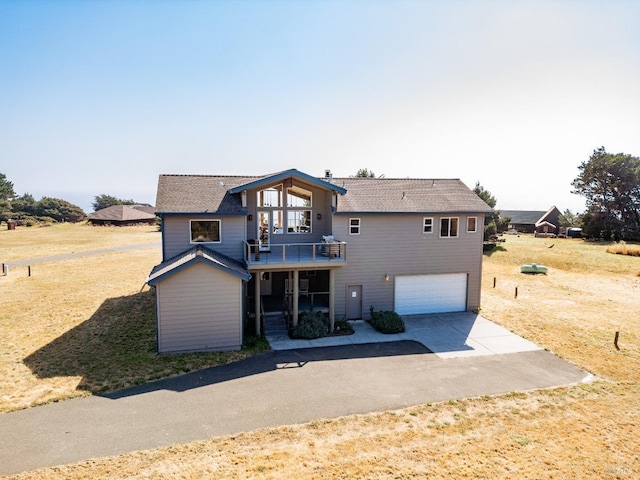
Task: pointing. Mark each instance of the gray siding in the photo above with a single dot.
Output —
(395, 245)
(199, 309)
(177, 235)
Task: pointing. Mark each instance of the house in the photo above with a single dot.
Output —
(123, 215)
(235, 246)
(533, 221)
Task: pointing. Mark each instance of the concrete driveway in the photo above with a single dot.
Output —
(448, 335)
(279, 387)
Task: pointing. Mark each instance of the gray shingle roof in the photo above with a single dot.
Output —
(122, 213)
(408, 195)
(196, 254)
(199, 193)
(522, 216)
(208, 193)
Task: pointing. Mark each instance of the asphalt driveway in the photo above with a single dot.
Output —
(274, 388)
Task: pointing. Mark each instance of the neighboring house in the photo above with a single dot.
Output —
(233, 246)
(123, 215)
(526, 221)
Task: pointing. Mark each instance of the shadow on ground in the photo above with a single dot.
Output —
(107, 350)
(116, 349)
(273, 360)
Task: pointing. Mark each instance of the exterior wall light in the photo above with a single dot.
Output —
(319, 216)
(387, 277)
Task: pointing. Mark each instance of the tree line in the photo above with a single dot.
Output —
(610, 184)
(25, 208)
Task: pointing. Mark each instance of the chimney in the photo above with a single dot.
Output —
(327, 176)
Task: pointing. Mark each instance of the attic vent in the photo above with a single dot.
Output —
(328, 176)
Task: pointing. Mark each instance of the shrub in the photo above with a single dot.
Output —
(343, 327)
(310, 325)
(387, 321)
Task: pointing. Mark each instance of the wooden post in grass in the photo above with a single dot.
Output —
(494, 282)
(516, 296)
(615, 340)
(29, 270)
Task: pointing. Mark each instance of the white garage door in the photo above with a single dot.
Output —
(431, 293)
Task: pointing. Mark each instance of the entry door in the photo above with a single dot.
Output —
(354, 302)
(264, 229)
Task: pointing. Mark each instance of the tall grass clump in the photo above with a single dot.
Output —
(623, 248)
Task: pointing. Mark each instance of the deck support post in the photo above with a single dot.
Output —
(257, 278)
(332, 316)
(296, 275)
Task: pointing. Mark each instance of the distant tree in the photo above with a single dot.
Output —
(610, 184)
(6, 188)
(24, 206)
(493, 223)
(104, 201)
(6, 195)
(6, 212)
(59, 210)
(569, 219)
(365, 173)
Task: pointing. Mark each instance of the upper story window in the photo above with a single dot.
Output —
(472, 224)
(298, 210)
(427, 225)
(449, 227)
(205, 231)
(270, 197)
(354, 226)
(298, 197)
(299, 221)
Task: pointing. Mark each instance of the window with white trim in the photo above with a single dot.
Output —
(270, 197)
(298, 209)
(205, 231)
(354, 226)
(449, 227)
(427, 225)
(472, 224)
(299, 221)
(298, 197)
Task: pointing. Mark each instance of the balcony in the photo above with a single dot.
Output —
(298, 255)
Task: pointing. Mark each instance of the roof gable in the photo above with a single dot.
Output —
(276, 177)
(219, 194)
(194, 255)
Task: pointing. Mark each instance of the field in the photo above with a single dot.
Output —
(584, 431)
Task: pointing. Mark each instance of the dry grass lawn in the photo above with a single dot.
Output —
(584, 431)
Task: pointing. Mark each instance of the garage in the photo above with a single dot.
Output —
(415, 294)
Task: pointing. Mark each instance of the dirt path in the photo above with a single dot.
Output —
(67, 256)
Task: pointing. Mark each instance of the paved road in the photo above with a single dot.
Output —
(86, 253)
(270, 389)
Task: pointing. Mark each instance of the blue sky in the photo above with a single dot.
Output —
(100, 97)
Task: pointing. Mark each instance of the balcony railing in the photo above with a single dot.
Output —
(291, 253)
